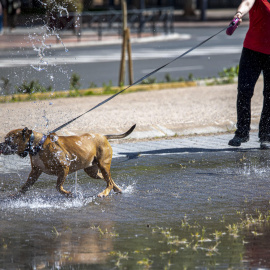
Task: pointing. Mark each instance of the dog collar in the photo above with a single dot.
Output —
(31, 149)
(39, 146)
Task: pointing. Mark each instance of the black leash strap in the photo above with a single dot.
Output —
(138, 81)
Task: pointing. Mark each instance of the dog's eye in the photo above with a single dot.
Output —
(8, 141)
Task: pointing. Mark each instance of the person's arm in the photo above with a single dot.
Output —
(244, 8)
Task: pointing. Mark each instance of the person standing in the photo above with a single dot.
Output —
(255, 58)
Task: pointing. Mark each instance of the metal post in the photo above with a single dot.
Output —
(171, 21)
(130, 65)
(142, 7)
(99, 29)
(203, 9)
(166, 18)
(142, 4)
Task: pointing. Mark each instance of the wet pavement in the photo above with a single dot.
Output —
(187, 203)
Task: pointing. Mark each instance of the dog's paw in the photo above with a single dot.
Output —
(15, 196)
(103, 194)
(117, 190)
(70, 195)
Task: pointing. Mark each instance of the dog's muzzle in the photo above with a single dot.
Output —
(7, 149)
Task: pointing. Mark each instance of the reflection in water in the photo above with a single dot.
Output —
(56, 248)
(206, 210)
(90, 248)
(257, 252)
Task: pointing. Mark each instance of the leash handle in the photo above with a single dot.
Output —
(232, 26)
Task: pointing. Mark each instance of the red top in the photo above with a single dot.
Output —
(258, 35)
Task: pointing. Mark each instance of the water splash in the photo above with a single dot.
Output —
(129, 189)
(46, 31)
(77, 192)
(38, 68)
(253, 169)
(248, 168)
(46, 119)
(59, 38)
(45, 202)
(61, 9)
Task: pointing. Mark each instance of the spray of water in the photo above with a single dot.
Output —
(44, 202)
(38, 39)
(46, 120)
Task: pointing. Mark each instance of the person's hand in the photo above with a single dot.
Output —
(238, 15)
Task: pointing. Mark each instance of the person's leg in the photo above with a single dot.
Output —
(264, 126)
(249, 71)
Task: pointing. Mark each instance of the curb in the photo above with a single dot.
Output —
(93, 91)
(113, 90)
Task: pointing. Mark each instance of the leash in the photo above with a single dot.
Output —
(140, 80)
(33, 150)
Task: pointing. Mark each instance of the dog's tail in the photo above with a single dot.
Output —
(120, 136)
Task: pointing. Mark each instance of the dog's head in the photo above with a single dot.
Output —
(16, 142)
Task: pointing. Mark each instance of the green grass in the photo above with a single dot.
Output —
(33, 90)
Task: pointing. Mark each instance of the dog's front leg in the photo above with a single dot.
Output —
(32, 178)
(60, 182)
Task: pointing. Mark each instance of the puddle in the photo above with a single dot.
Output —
(191, 211)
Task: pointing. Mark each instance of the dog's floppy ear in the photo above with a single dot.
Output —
(26, 131)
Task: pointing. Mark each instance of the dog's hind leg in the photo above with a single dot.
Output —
(60, 182)
(93, 171)
(105, 170)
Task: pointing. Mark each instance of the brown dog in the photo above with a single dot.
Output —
(62, 155)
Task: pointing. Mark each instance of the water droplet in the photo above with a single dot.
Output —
(37, 68)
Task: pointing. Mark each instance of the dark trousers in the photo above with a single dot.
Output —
(251, 65)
